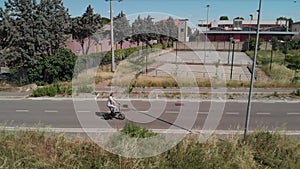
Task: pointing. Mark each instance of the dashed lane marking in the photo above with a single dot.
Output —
(232, 113)
(51, 111)
(83, 111)
(203, 113)
(22, 111)
(172, 112)
(263, 113)
(293, 113)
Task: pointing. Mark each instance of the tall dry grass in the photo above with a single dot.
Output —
(34, 149)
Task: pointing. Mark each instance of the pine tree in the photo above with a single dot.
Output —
(84, 27)
(122, 28)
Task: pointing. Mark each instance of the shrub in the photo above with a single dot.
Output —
(296, 93)
(275, 94)
(52, 90)
(134, 130)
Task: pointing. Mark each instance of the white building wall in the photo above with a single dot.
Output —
(296, 28)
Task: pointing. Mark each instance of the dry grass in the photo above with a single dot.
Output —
(27, 149)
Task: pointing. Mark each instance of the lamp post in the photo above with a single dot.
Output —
(206, 29)
(249, 29)
(252, 74)
(232, 59)
(112, 36)
(230, 40)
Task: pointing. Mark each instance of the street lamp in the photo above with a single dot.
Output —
(112, 36)
(253, 73)
(232, 59)
(207, 6)
(230, 40)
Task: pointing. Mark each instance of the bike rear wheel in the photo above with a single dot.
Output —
(121, 116)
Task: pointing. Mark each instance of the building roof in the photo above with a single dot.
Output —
(253, 32)
(230, 22)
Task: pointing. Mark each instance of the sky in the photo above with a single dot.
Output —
(194, 10)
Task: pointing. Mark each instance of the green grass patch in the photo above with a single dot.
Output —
(52, 90)
(280, 74)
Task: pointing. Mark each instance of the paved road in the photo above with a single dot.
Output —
(61, 114)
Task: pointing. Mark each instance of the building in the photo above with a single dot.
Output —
(183, 30)
(243, 30)
(296, 28)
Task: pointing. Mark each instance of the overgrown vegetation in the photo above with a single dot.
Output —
(53, 90)
(283, 68)
(28, 149)
(47, 69)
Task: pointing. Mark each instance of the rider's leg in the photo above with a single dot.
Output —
(112, 108)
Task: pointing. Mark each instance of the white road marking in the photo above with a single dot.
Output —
(263, 113)
(172, 112)
(293, 113)
(83, 111)
(232, 113)
(203, 113)
(143, 111)
(22, 111)
(51, 111)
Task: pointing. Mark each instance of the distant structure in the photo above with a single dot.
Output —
(183, 30)
(296, 28)
(243, 30)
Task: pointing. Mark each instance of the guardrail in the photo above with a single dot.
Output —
(199, 74)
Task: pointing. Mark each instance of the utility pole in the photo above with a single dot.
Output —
(253, 74)
(232, 59)
(206, 29)
(112, 36)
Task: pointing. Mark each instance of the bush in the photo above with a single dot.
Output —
(133, 130)
(47, 69)
(52, 91)
(296, 93)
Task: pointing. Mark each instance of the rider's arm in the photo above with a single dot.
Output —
(115, 101)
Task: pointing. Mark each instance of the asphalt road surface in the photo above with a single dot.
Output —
(184, 115)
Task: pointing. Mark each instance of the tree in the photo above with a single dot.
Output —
(162, 31)
(173, 29)
(83, 27)
(22, 53)
(55, 23)
(252, 42)
(167, 30)
(290, 21)
(53, 68)
(139, 32)
(224, 18)
(196, 36)
(105, 20)
(30, 31)
(275, 45)
(285, 46)
(6, 33)
(293, 63)
(239, 17)
(122, 28)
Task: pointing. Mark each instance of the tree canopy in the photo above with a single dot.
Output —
(83, 27)
(224, 18)
(122, 28)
